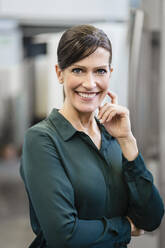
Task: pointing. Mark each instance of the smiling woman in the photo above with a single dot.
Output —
(85, 82)
(86, 181)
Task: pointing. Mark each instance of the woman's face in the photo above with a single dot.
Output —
(86, 81)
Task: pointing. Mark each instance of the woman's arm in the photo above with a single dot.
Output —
(146, 207)
(129, 147)
(52, 197)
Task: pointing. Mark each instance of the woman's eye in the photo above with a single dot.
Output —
(77, 70)
(101, 71)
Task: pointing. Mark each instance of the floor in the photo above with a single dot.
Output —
(15, 232)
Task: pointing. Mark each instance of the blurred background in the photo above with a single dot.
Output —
(29, 34)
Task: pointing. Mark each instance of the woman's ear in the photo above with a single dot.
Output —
(59, 73)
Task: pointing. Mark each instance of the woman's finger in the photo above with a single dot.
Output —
(141, 232)
(102, 109)
(113, 96)
(109, 108)
(106, 115)
(137, 232)
(112, 114)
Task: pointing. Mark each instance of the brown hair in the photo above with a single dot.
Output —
(79, 42)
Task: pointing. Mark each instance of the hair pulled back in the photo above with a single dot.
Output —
(79, 42)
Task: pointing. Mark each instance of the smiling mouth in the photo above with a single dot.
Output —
(87, 95)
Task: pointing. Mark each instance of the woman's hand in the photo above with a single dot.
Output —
(134, 230)
(115, 119)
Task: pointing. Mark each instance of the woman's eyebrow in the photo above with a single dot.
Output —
(79, 66)
(100, 66)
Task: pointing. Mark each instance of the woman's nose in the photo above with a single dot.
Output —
(89, 81)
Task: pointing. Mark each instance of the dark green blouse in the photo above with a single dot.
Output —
(79, 195)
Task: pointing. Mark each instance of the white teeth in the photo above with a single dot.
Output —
(86, 95)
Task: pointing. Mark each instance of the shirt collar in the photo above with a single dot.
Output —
(66, 129)
(63, 126)
(103, 129)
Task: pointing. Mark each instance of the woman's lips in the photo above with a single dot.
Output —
(87, 95)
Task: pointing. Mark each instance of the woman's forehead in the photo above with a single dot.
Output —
(99, 56)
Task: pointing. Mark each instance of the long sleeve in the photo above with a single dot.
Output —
(52, 196)
(146, 207)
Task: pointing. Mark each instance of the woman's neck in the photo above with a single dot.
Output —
(81, 121)
(84, 122)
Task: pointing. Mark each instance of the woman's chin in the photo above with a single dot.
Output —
(86, 109)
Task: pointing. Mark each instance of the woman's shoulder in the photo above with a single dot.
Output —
(41, 129)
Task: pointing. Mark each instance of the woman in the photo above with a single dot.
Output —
(86, 180)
